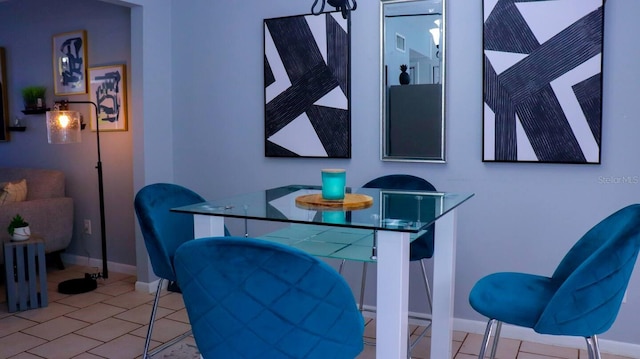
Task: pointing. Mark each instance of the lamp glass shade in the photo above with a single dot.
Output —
(63, 127)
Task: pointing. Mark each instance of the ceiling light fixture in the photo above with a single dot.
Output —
(345, 6)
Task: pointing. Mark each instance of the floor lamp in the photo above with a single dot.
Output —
(64, 127)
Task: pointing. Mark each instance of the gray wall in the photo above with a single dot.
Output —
(26, 28)
(208, 134)
(524, 217)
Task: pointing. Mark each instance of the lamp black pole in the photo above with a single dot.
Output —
(75, 285)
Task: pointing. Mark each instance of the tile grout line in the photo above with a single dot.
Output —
(462, 348)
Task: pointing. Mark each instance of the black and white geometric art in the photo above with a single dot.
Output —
(307, 86)
(543, 80)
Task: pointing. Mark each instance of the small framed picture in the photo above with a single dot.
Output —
(108, 90)
(70, 63)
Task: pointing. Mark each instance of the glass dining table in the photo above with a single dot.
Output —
(394, 217)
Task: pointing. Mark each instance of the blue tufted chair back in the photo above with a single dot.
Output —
(164, 231)
(248, 298)
(593, 277)
(421, 247)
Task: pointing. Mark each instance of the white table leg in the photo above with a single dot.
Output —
(444, 263)
(208, 226)
(392, 295)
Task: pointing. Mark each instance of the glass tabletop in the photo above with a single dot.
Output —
(391, 210)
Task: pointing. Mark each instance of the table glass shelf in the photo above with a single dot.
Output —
(334, 233)
(392, 210)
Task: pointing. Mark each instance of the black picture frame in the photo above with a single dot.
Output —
(70, 63)
(307, 86)
(542, 81)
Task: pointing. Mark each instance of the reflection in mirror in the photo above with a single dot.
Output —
(412, 92)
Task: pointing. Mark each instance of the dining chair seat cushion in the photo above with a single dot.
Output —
(514, 298)
(249, 298)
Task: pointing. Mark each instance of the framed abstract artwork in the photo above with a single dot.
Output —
(307, 86)
(108, 90)
(543, 80)
(4, 103)
(70, 63)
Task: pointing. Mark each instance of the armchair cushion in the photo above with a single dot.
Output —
(13, 192)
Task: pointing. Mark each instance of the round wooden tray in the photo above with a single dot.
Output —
(351, 201)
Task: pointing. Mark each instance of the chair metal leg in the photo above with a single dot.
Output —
(148, 354)
(418, 339)
(374, 256)
(426, 284)
(364, 281)
(169, 343)
(487, 336)
(145, 354)
(341, 266)
(496, 337)
(592, 347)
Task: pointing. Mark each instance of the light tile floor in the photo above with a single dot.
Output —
(111, 322)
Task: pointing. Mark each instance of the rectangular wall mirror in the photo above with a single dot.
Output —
(412, 50)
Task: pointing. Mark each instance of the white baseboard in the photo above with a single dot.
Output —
(150, 287)
(113, 266)
(519, 333)
(95, 262)
(525, 334)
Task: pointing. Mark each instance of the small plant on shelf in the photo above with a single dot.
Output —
(16, 222)
(18, 228)
(34, 97)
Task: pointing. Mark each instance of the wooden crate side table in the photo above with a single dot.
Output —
(26, 274)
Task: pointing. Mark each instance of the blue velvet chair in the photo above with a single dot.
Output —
(250, 298)
(581, 298)
(163, 233)
(420, 248)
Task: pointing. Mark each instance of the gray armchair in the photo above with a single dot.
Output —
(47, 209)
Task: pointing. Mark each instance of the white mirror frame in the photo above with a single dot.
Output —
(385, 154)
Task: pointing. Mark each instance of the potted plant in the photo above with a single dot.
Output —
(34, 97)
(18, 228)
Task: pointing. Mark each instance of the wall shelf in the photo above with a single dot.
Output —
(36, 111)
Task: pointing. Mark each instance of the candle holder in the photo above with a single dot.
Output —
(333, 184)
